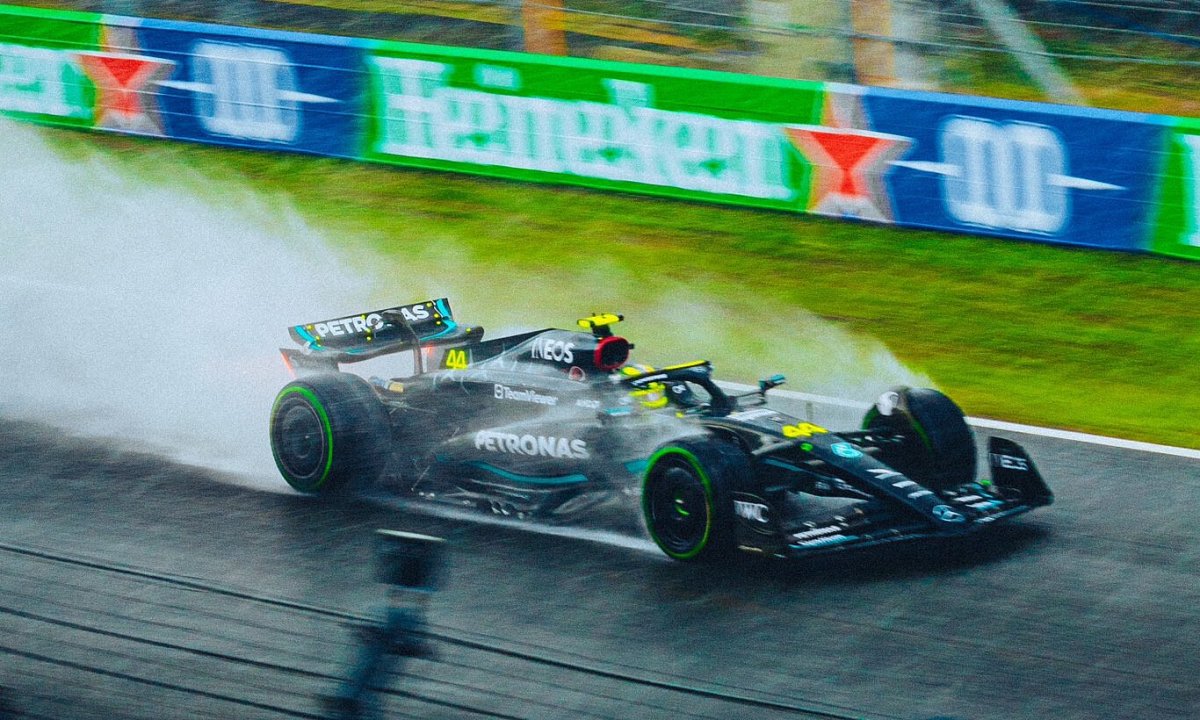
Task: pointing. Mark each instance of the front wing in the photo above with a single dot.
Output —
(1015, 487)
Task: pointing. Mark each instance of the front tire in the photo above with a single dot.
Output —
(329, 434)
(938, 450)
(687, 500)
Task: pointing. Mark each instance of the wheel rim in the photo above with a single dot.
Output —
(678, 508)
(300, 442)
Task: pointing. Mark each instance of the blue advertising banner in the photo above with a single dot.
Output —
(250, 89)
(1032, 171)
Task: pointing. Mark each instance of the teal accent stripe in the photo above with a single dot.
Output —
(780, 463)
(637, 467)
(451, 326)
(304, 334)
(530, 479)
(444, 311)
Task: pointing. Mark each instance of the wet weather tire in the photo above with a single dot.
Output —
(938, 449)
(329, 434)
(687, 500)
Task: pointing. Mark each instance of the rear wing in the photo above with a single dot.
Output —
(327, 343)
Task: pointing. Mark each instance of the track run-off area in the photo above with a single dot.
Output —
(134, 586)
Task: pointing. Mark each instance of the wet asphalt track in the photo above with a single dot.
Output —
(133, 587)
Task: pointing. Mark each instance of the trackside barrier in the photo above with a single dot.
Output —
(411, 566)
(840, 414)
(1048, 173)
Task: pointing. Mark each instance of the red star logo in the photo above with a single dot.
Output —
(849, 162)
(125, 94)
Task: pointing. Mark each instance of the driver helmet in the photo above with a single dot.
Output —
(651, 397)
(681, 393)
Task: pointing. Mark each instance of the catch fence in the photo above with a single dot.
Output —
(1133, 54)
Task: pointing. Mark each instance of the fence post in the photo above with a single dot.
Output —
(411, 566)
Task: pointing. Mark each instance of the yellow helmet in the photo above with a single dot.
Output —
(654, 395)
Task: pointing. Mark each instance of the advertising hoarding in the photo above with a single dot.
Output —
(1047, 173)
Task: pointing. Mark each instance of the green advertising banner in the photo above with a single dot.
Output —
(683, 133)
(1176, 227)
(42, 59)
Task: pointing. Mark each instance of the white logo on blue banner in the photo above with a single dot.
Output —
(1006, 176)
(246, 92)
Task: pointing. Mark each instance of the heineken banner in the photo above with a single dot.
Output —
(181, 80)
(1032, 171)
(1175, 217)
(41, 65)
(674, 132)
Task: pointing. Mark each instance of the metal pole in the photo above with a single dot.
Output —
(874, 54)
(1028, 51)
(411, 566)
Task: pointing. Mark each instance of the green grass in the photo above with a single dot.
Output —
(1082, 339)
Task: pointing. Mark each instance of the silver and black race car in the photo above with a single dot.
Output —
(548, 424)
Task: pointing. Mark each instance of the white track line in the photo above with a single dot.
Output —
(1086, 438)
(993, 424)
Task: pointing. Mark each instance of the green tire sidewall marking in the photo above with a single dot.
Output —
(708, 500)
(921, 434)
(315, 403)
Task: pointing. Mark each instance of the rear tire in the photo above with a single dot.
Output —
(687, 500)
(939, 447)
(329, 434)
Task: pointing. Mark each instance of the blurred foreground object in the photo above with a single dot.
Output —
(7, 710)
(411, 566)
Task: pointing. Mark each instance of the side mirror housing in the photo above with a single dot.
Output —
(772, 382)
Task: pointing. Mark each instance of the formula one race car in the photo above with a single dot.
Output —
(548, 424)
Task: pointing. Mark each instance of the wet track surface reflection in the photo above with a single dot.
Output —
(136, 587)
